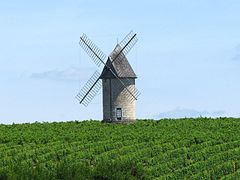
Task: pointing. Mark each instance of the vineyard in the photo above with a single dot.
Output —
(201, 148)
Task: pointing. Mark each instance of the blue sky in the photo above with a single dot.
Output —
(187, 58)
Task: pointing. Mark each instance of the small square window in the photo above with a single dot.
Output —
(119, 113)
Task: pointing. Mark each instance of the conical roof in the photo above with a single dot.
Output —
(119, 65)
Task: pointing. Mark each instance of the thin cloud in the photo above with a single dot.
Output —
(69, 74)
(237, 55)
(183, 112)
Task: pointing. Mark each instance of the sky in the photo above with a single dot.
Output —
(187, 57)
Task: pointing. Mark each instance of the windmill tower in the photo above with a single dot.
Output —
(117, 79)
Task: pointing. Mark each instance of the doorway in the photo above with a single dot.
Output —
(119, 113)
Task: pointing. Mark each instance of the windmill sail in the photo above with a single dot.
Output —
(128, 42)
(92, 50)
(126, 45)
(89, 91)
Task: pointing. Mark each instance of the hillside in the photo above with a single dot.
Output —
(166, 149)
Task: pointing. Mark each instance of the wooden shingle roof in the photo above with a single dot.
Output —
(120, 65)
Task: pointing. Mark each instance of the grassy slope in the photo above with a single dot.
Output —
(175, 149)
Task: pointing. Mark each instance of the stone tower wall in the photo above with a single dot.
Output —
(116, 96)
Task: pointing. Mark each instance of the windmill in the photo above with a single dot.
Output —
(117, 79)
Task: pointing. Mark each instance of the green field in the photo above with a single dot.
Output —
(201, 148)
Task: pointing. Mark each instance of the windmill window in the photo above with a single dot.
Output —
(119, 113)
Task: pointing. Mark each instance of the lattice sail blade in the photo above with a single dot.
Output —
(129, 90)
(126, 44)
(135, 92)
(90, 89)
(92, 50)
